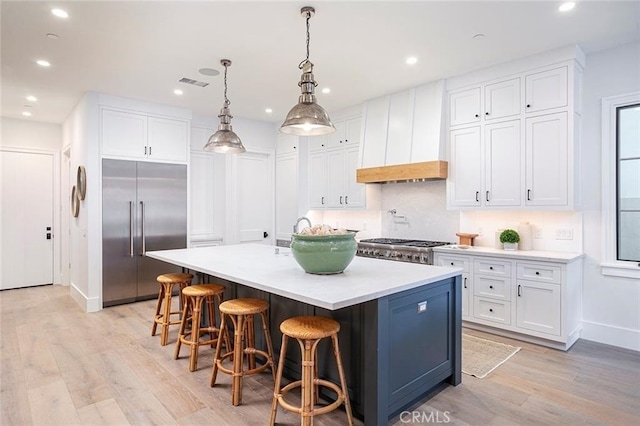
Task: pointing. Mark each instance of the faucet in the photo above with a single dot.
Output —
(300, 219)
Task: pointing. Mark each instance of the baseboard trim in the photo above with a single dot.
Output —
(562, 346)
(86, 303)
(611, 335)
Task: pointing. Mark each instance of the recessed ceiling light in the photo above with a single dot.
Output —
(60, 13)
(178, 92)
(209, 71)
(326, 90)
(43, 63)
(32, 98)
(478, 36)
(26, 113)
(53, 36)
(411, 60)
(268, 110)
(565, 7)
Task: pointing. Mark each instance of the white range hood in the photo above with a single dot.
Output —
(404, 136)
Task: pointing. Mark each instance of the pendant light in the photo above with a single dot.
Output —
(307, 118)
(225, 141)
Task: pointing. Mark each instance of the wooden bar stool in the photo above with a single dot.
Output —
(166, 282)
(190, 329)
(241, 312)
(308, 331)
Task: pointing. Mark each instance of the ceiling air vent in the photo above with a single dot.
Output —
(193, 82)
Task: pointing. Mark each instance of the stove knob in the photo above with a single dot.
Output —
(387, 253)
(375, 252)
(416, 257)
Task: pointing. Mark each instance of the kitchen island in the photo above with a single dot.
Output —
(401, 323)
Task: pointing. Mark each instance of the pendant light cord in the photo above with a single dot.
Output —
(308, 40)
(226, 100)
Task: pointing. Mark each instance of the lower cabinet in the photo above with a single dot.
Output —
(519, 296)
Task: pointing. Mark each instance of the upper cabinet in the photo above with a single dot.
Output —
(130, 135)
(405, 127)
(512, 141)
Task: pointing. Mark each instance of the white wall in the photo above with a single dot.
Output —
(31, 134)
(611, 306)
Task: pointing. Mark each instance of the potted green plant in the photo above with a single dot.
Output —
(510, 238)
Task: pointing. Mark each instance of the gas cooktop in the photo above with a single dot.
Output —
(415, 251)
(404, 242)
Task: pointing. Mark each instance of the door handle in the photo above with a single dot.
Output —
(265, 234)
(142, 230)
(519, 292)
(346, 199)
(341, 199)
(131, 230)
(487, 196)
(322, 201)
(477, 196)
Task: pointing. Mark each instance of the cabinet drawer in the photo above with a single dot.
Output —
(459, 262)
(492, 310)
(493, 267)
(492, 287)
(539, 272)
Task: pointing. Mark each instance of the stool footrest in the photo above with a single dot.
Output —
(256, 370)
(319, 410)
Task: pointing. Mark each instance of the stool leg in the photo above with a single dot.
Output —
(181, 331)
(158, 306)
(343, 380)
(195, 333)
(276, 389)
(216, 355)
(212, 319)
(251, 341)
(238, 360)
(167, 314)
(308, 349)
(267, 336)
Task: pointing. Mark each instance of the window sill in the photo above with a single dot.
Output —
(621, 269)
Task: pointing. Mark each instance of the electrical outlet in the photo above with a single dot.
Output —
(564, 234)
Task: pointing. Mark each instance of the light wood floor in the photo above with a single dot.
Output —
(60, 366)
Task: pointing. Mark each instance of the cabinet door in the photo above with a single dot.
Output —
(336, 139)
(318, 180)
(286, 194)
(354, 192)
(286, 144)
(502, 99)
(545, 90)
(374, 141)
(546, 156)
(168, 139)
(318, 143)
(400, 126)
(465, 167)
(502, 164)
(201, 201)
(538, 307)
(352, 130)
(124, 134)
(464, 107)
(335, 178)
(467, 293)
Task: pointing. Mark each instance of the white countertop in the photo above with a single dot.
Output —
(548, 256)
(257, 266)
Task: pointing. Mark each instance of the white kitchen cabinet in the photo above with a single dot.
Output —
(464, 107)
(546, 160)
(202, 204)
(546, 90)
(374, 141)
(286, 205)
(529, 130)
(533, 296)
(286, 144)
(465, 169)
(138, 136)
(399, 128)
(332, 169)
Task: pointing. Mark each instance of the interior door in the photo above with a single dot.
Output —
(26, 217)
(254, 202)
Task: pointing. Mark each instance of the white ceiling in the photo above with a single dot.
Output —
(141, 49)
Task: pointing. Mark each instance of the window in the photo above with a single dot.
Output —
(621, 185)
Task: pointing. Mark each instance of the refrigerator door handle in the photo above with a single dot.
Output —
(131, 230)
(144, 238)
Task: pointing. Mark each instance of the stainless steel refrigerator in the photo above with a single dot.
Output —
(144, 208)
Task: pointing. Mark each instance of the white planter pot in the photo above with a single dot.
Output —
(510, 246)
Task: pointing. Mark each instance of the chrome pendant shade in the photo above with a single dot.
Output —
(225, 141)
(307, 118)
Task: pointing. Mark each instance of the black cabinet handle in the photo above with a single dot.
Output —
(346, 199)
(491, 287)
(145, 150)
(478, 196)
(265, 234)
(149, 150)
(528, 105)
(322, 201)
(465, 281)
(294, 147)
(322, 145)
(490, 310)
(346, 140)
(537, 273)
(341, 199)
(486, 113)
(452, 265)
(519, 288)
(491, 267)
(528, 195)
(477, 115)
(487, 196)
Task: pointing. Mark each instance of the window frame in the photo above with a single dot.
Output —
(610, 264)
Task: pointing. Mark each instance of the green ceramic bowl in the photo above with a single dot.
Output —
(324, 254)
